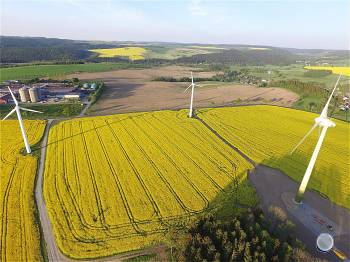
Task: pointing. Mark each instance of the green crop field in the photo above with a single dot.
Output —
(163, 52)
(53, 71)
(114, 184)
(267, 134)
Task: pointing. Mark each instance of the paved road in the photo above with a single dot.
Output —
(273, 187)
(87, 106)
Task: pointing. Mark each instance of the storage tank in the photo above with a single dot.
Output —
(93, 86)
(86, 85)
(34, 94)
(24, 94)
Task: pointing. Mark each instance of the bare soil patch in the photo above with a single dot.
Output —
(132, 90)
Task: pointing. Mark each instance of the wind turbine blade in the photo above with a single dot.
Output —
(192, 77)
(30, 110)
(319, 131)
(13, 97)
(13, 110)
(187, 88)
(303, 139)
(325, 109)
(310, 167)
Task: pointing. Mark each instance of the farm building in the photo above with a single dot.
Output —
(72, 96)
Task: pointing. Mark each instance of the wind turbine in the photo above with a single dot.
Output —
(322, 122)
(18, 111)
(191, 104)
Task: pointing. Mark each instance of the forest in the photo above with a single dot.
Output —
(250, 236)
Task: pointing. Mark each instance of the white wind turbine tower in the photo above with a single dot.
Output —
(322, 122)
(192, 94)
(18, 111)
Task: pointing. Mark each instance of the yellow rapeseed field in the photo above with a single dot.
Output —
(133, 53)
(267, 134)
(260, 48)
(20, 238)
(335, 69)
(114, 184)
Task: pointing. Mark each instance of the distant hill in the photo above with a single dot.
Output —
(37, 54)
(36, 49)
(36, 42)
(14, 49)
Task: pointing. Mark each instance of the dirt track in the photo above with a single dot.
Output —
(133, 90)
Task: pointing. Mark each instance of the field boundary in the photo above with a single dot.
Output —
(207, 107)
(247, 158)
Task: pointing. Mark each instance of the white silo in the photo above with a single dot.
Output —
(34, 94)
(24, 94)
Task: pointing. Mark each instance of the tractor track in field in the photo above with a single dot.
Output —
(247, 158)
(194, 187)
(54, 254)
(195, 146)
(219, 188)
(4, 213)
(188, 210)
(119, 186)
(156, 208)
(78, 210)
(93, 179)
(165, 180)
(22, 220)
(138, 176)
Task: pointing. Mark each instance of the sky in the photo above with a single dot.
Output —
(285, 23)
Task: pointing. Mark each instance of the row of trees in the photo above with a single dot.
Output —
(227, 76)
(305, 88)
(96, 95)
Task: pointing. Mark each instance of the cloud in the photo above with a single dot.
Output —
(196, 8)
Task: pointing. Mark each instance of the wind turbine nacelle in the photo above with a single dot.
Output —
(324, 122)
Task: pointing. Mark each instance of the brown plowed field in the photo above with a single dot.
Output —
(133, 90)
